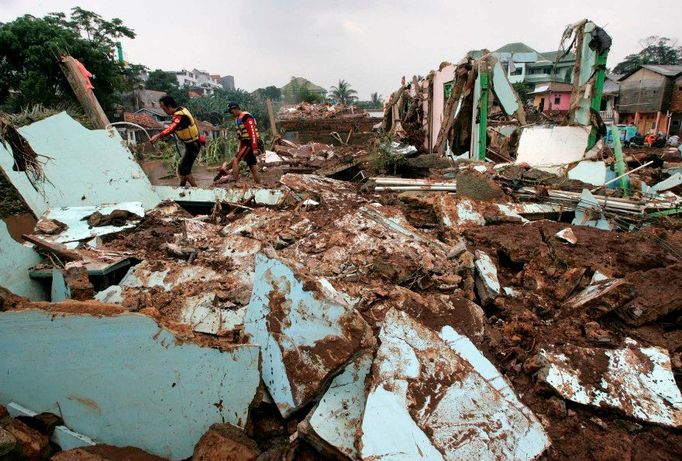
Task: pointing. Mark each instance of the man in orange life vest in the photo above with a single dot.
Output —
(186, 130)
(250, 144)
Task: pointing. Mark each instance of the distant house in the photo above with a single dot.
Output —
(649, 98)
(139, 99)
(524, 64)
(145, 122)
(156, 113)
(198, 82)
(228, 82)
(552, 97)
(289, 91)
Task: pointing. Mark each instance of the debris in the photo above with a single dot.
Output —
(50, 226)
(670, 183)
(589, 172)
(552, 149)
(487, 284)
(440, 403)
(589, 213)
(476, 185)
(655, 296)
(307, 331)
(29, 443)
(148, 364)
(567, 235)
(226, 443)
(7, 442)
(57, 249)
(103, 452)
(634, 379)
(334, 424)
(601, 296)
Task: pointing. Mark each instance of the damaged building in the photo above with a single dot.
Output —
(520, 302)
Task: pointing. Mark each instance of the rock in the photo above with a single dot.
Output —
(76, 278)
(594, 332)
(225, 442)
(487, 283)
(30, 444)
(50, 226)
(7, 442)
(105, 453)
(45, 423)
(568, 282)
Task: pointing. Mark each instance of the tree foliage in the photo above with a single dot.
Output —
(343, 93)
(523, 90)
(167, 82)
(212, 108)
(272, 92)
(297, 92)
(29, 52)
(655, 50)
(375, 102)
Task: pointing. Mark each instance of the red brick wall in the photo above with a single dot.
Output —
(676, 104)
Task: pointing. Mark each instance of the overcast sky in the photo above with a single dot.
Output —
(368, 43)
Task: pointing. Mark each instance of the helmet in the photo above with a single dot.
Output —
(231, 105)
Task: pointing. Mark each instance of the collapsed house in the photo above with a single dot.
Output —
(485, 311)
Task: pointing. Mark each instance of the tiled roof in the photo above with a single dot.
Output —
(554, 87)
(144, 120)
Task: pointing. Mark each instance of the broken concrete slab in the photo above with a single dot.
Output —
(588, 212)
(634, 379)
(77, 227)
(126, 358)
(590, 172)
(111, 175)
(328, 191)
(334, 424)
(17, 259)
(670, 183)
(306, 329)
(552, 148)
(271, 197)
(142, 276)
(441, 405)
(487, 283)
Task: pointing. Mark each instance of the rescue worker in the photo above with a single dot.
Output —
(185, 128)
(250, 144)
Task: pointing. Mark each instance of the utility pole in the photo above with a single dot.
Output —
(273, 125)
(86, 97)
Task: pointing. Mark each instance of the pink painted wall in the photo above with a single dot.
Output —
(436, 119)
(550, 105)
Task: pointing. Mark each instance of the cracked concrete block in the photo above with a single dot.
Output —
(141, 276)
(634, 379)
(122, 379)
(438, 398)
(487, 283)
(306, 329)
(567, 235)
(335, 422)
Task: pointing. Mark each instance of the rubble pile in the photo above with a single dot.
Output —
(325, 159)
(306, 110)
(375, 316)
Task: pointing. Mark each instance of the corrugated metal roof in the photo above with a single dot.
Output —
(667, 70)
(554, 87)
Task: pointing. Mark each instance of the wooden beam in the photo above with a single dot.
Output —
(85, 96)
(273, 124)
(57, 249)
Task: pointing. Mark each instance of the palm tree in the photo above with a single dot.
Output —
(343, 93)
(375, 100)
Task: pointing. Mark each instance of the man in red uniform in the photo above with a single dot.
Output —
(250, 144)
(186, 130)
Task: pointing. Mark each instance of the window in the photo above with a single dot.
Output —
(557, 100)
(447, 89)
(517, 71)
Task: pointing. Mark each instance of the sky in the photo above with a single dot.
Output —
(369, 43)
